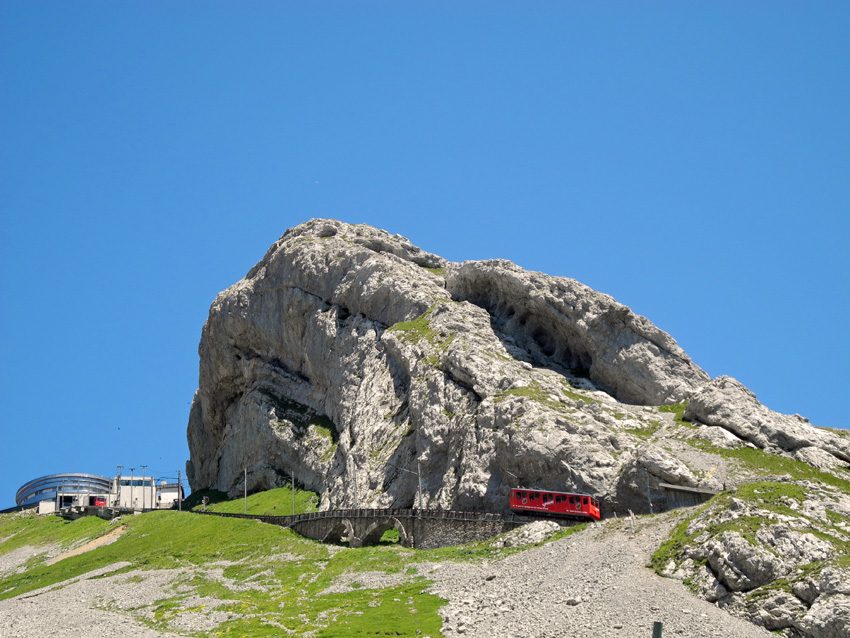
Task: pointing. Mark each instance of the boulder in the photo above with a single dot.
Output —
(529, 534)
(774, 610)
(828, 617)
(741, 566)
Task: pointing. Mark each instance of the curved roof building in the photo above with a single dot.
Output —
(48, 487)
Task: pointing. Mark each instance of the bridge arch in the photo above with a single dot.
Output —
(338, 530)
(376, 529)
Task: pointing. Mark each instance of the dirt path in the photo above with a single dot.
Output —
(106, 539)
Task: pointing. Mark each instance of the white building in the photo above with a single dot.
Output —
(133, 492)
(167, 495)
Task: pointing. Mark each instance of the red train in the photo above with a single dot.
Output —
(548, 503)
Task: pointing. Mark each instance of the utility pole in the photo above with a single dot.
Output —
(648, 496)
(179, 493)
(144, 487)
(132, 487)
(246, 489)
(118, 486)
(354, 474)
(419, 474)
(292, 484)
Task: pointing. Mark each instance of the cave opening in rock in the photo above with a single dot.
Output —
(544, 341)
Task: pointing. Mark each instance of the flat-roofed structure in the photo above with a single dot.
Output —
(64, 489)
(683, 496)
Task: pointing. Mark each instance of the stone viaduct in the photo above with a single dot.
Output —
(422, 529)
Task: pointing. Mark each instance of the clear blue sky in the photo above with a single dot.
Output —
(692, 159)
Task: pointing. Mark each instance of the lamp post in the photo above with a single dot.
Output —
(132, 487)
(144, 487)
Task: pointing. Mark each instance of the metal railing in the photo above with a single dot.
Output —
(447, 515)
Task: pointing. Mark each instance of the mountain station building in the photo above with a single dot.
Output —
(56, 492)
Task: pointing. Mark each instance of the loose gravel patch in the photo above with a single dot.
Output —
(594, 583)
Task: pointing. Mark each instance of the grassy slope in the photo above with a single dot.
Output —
(280, 574)
(277, 502)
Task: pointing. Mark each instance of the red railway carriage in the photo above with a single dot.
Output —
(548, 503)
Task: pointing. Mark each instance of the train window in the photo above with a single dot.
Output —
(584, 500)
(534, 496)
(547, 497)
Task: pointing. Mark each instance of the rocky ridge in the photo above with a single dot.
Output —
(773, 552)
(355, 360)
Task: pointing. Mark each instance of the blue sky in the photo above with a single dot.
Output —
(689, 159)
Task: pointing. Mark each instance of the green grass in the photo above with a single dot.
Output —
(440, 272)
(678, 412)
(533, 392)
(415, 330)
(281, 576)
(765, 495)
(419, 330)
(196, 498)
(763, 463)
(645, 432)
(391, 536)
(672, 548)
(29, 529)
(276, 502)
(575, 396)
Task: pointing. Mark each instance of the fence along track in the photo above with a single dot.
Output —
(445, 515)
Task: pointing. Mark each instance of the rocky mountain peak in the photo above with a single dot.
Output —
(348, 355)
(380, 375)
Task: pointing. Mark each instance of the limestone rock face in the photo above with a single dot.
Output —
(765, 556)
(726, 403)
(382, 375)
(356, 360)
(740, 566)
(558, 321)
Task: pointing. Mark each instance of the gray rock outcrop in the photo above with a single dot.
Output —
(764, 556)
(727, 403)
(560, 322)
